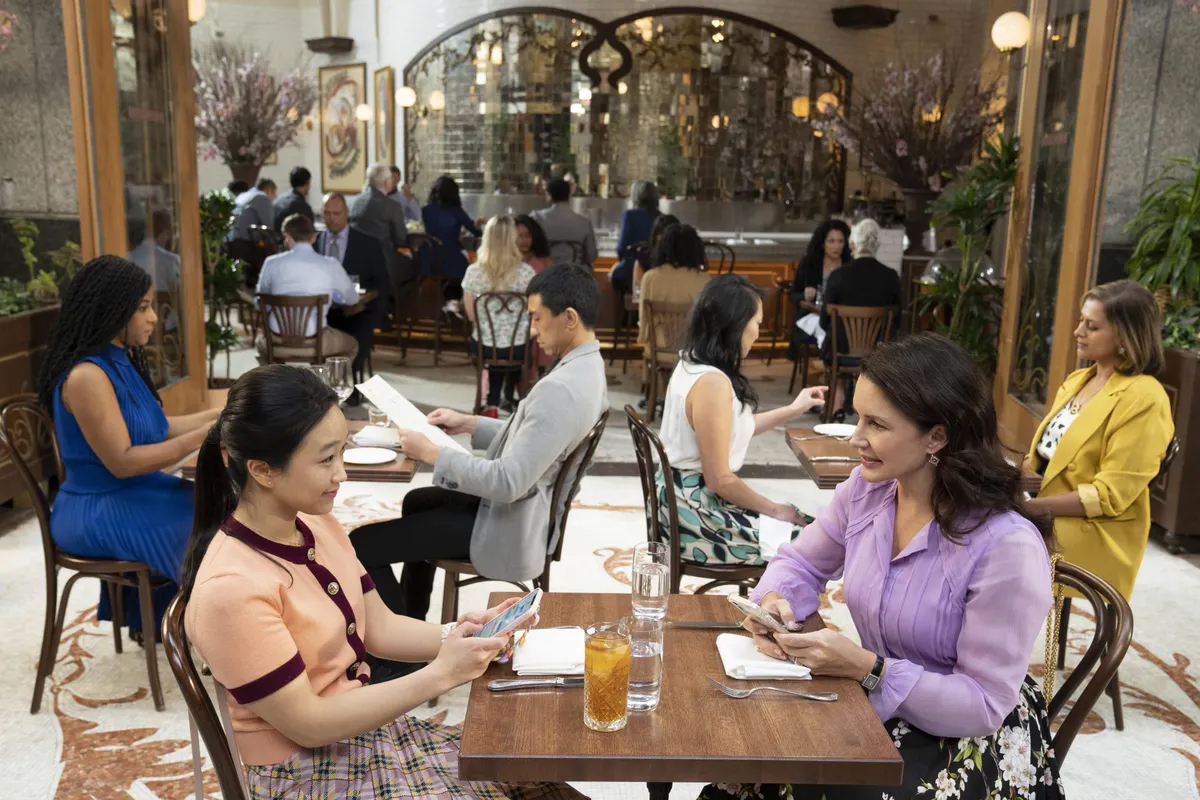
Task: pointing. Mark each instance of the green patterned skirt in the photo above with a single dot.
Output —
(711, 530)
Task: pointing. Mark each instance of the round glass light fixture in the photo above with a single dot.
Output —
(800, 107)
(196, 9)
(406, 96)
(827, 103)
(437, 100)
(363, 112)
(1010, 31)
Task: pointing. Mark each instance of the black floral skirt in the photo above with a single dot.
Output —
(1016, 761)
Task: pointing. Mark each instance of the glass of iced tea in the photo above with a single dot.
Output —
(606, 677)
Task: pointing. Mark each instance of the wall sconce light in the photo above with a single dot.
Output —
(1010, 31)
(718, 37)
(437, 100)
(196, 9)
(363, 112)
(406, 96)
(827, 103)
(800, 107)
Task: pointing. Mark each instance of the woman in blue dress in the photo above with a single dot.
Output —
(114, 437)
(637, 225)
(445, 219)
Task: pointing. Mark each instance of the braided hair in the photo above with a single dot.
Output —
(96, 308)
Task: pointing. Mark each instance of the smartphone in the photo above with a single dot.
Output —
(515, 616)
(756, 612)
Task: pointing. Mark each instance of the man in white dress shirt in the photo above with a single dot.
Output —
(302, 271)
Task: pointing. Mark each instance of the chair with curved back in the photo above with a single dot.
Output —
(625, 309)
(564, 251)
(203, 717)
(285, 321)
(26, 429)
(516, 356)
(864, 327)
(429, 247)
(726, 257)
(652, 458)
(1110, 641)
(667, 328)
(783, 320)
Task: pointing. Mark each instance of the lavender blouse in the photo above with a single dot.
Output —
(956, 622)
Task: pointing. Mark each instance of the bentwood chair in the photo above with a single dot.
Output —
(1114, 688)
(563, 251)
(625, 310)
(515, 357)
(784, 318)
(652, 459)
(285, 321)
(726, 258)
(216, 731)
(864, 327)
(428, 306)
(1110, 641)
(667, 328)
(26, 436)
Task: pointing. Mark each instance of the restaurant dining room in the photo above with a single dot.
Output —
(790, 399)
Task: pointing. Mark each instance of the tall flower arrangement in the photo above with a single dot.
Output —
(917, 123)
(8, 22)
(245, 110)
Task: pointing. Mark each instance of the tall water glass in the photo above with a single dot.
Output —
(339, 377)
(606, 677)
(646, 661)
(651, 580)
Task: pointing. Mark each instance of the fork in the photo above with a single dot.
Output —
(742, 694)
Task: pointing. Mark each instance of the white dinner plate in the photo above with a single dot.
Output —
(368, 455)
(838, 429)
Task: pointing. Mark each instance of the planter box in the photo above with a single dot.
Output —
(1174, 501)
(22, 343)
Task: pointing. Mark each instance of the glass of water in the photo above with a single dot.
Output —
(651, 580)
(377, 416)
(646, 661)
(339, 378)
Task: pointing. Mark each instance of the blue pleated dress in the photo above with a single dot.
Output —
(96, 514)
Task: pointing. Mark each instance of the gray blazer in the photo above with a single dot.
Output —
(561, 224)
(510, 539)
(374, 214)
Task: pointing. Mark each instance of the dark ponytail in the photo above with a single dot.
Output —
(933, 381)
(269, 412)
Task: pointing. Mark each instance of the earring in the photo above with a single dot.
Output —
(934, 460)
(1121, 349)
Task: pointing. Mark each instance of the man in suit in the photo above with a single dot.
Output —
(294, 201)
(252, 239)
(361, 256)
(561, 224)
(495, 508)
(374, 214)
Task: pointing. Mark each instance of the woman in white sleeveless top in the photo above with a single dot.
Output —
(709, 418)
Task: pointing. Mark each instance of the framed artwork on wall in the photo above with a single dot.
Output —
(343, 134)
(385, 116)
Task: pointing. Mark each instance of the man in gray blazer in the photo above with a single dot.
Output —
(563, 226)
(495, 508)
(374, 214)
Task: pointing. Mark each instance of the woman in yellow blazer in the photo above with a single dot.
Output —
(1106, 435)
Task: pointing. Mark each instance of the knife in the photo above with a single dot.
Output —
(703, 625)
(535, 683)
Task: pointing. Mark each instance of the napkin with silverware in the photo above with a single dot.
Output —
(377, 436)
(743, 661)
(550, 651)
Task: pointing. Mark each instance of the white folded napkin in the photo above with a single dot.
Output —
(811, 324)
(743, 662)
(376, 436)
(772, 534)
(550, 651)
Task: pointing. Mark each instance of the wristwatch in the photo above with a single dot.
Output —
(873, 677)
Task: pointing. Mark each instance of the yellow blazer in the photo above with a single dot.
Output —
(1109, 455)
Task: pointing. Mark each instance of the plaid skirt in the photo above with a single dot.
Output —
(407, 758)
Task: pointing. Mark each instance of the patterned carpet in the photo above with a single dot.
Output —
(98, 735)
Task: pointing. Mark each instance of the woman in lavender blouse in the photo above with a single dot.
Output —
(947, 577)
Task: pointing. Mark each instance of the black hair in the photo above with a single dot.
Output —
(96, 307)
(264, 184)
(661, 223)
(396, 171)
(237, 187)
(646, 197)
(933, 381)
(679, 246)
(445, 193)
(723, 309)
(266, 417)
(299, 176)
(541, 245)
(564, 286)
(559, 190)
(814, 257)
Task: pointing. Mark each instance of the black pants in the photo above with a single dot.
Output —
(508, 377)
(362, 327)
(436, 524)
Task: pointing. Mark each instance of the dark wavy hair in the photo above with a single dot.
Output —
(932, 381)
(96, 308)
(814, 257)
(269, 412)
(679, 246)
(722, 311)
(541, 245)
(444, 192)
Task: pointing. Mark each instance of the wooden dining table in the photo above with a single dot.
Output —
(401, 470)
(696, 733)
(811, 450)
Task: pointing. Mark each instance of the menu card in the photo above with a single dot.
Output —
(404, 414)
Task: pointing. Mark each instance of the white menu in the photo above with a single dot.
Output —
(404, 414)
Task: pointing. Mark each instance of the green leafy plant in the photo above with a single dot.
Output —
(66, 261)
(14, 297)
(1181, 326)
(42, 286)
(222, 278)
(965, 301)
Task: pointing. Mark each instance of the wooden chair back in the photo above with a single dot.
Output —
(667, 325)
(28, 438)
(563, 251)
(723, 254)
(428, 247)
(566, 487)
(640, 252)
(863, 326)
(1114, 632)
(652, 459)
(517, 354)
(291, 315)
(199, 703)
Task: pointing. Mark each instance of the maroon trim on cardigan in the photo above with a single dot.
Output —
(297, 554)
(368, 585)
(270, 683)
(365, 679)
